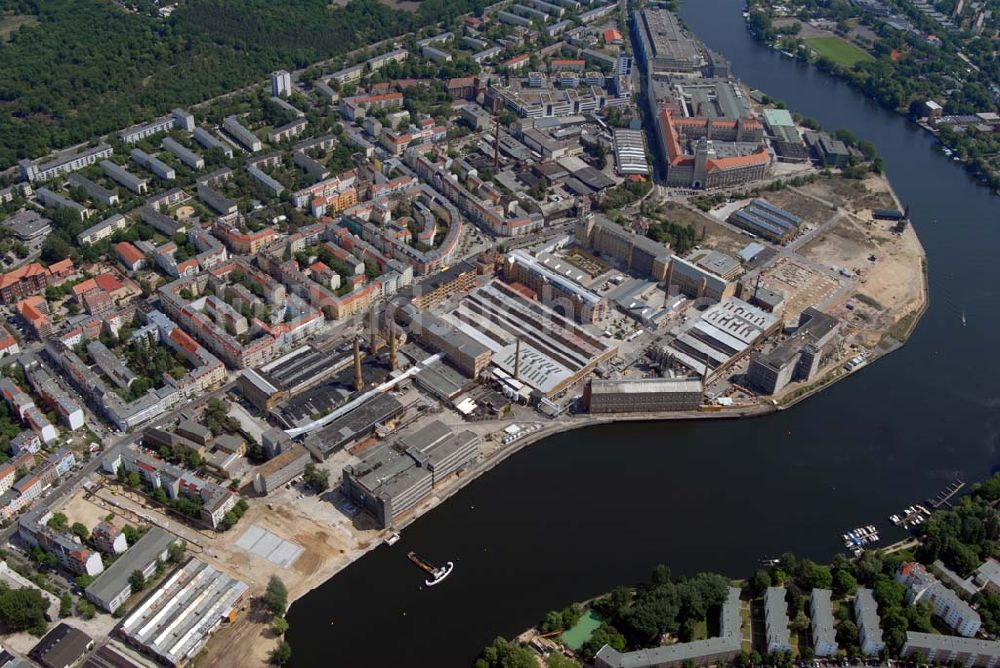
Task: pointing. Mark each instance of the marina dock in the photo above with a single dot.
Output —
(945, 496)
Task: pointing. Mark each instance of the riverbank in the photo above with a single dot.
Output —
(846, 50)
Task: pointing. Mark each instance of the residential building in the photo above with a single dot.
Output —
(102, 230)
(776, 621)
(921, 585)
(63, 165)
(824, 636)
(719, 650)
(935, 649)
(113, 587)
(281, 83)
(869, 629)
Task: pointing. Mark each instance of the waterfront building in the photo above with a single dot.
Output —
(393, 478)
(643, 395)
(798, 357)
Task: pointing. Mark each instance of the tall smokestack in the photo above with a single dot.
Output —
(517, 359)
(392, 347)
(373, 342)
(359, 381)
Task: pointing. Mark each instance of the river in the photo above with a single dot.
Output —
(579, 513)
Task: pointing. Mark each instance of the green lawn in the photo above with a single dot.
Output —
(582, 630)
(839, 51)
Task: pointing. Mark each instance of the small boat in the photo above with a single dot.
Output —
(392, 538)
(440, 574)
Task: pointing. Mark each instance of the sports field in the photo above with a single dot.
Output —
(839, 51)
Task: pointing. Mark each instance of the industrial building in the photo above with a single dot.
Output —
(393, 478)
(776, 621)
(664, 45)
(798, 357)
(633, 252)
(824, 636)
(937, 650)
(62, 647)
(724, 333)
(767, 220)
(869, 629)
(356, 426)
(112, 588)
(718, 650)
(689, 279)
(176, 619)
(280, 469)
(553, 288)
(630, 152)
(643, 395)
(529, 341)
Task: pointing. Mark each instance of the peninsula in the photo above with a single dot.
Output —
(255, 338)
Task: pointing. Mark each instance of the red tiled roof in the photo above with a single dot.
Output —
(61, 267)
(108, 282)
(181, 338)
(756, 158)
(128, 253)
(21, 273)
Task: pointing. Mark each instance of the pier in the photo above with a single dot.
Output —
(945, 496)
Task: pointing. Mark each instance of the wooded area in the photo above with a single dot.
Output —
(86, 67)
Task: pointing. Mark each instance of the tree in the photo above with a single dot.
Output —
(281, 654)
(759, 582)
(844, 583)
(138, 581)
(276, 596)
(80, 531)
(65, 605)
(58, 522)
(317, 478)
(23, 610)
(504, 654)
(279, 625)
(559, 661)
(175, 552)
(85, 609)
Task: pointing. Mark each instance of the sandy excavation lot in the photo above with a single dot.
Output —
(889, 288)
